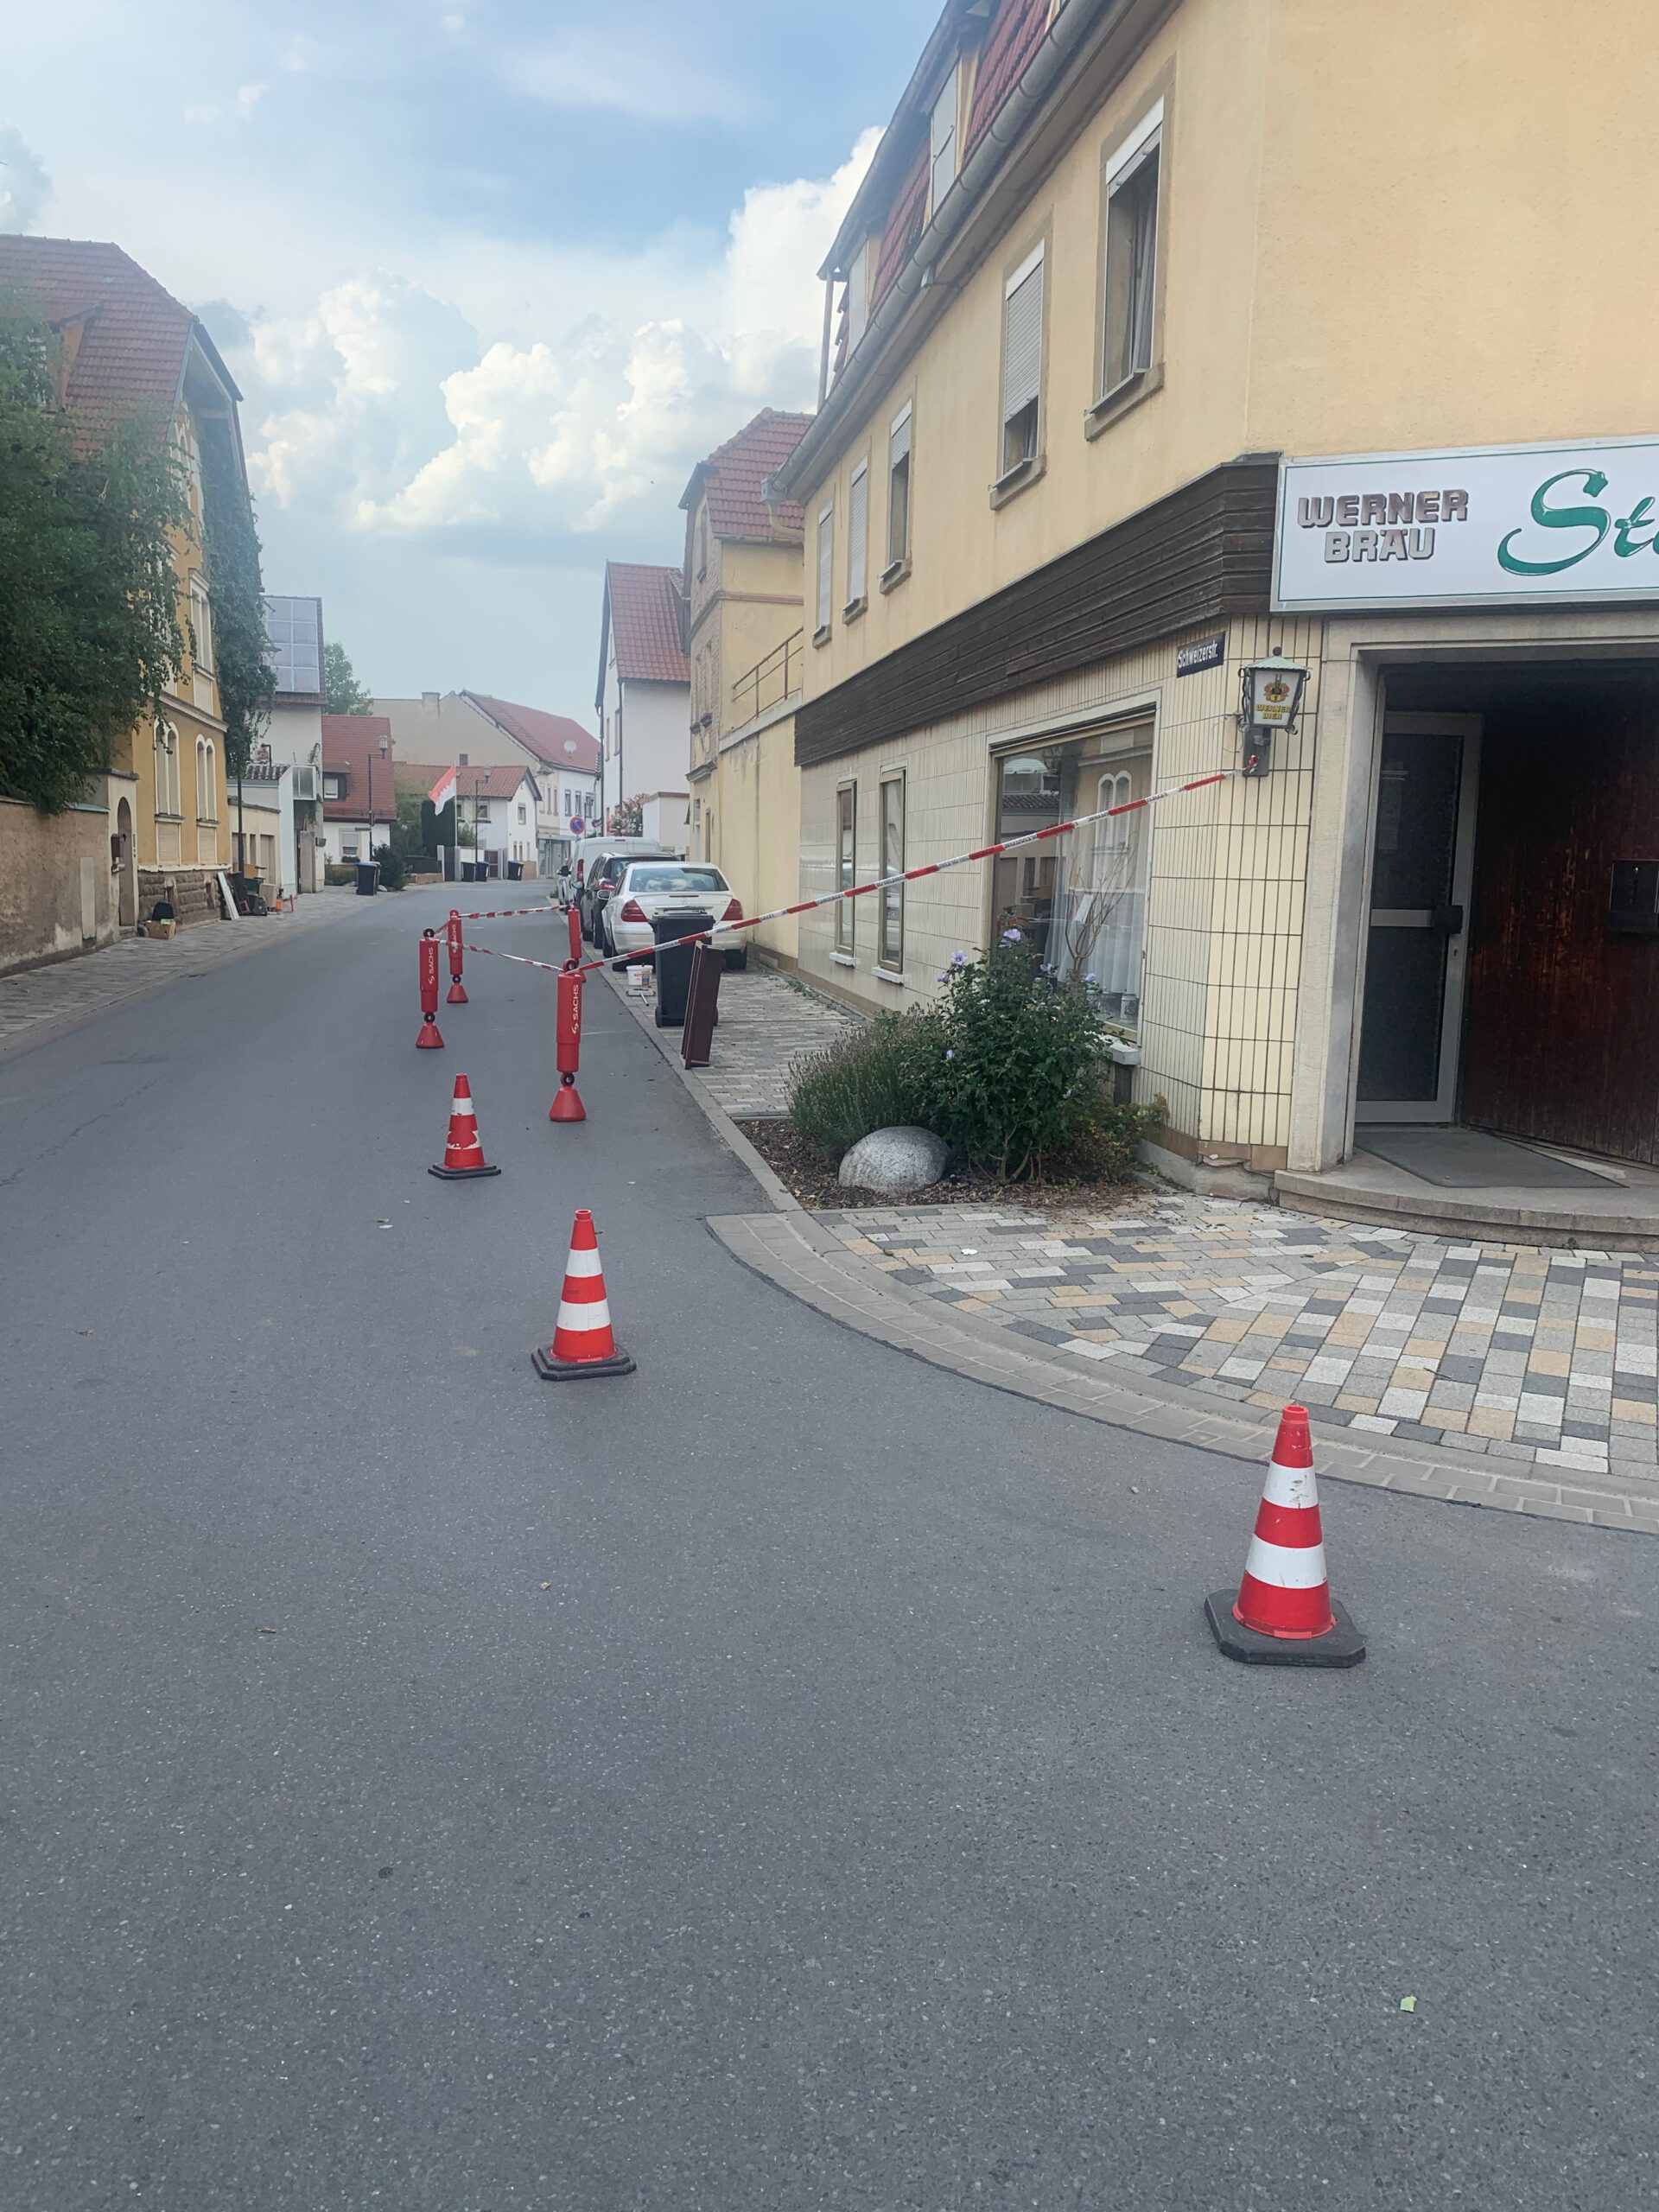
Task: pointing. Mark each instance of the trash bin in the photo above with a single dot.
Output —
(515, 871)
(368, 878)
(674, 969)
(469, 871)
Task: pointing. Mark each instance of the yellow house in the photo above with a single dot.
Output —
(743, 593)
(1128, 286)
(128, 345)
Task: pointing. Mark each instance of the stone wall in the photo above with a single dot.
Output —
(57, 893)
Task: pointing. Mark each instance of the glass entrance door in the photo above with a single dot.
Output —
(1422, 869)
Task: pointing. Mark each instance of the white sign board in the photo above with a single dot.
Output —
(1475, 524)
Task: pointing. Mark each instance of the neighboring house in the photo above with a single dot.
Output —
(261, 827)
(498, 806)
(128, 345)
(1108, 265)
(644, 695)
(467, 728)
(743, 587)
(294, 730)
(360, 793)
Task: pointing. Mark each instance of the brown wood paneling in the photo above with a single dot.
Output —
(1562, 1027)
(1202, 555)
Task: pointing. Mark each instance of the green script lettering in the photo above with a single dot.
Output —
(1640, 515)
(1547, 518)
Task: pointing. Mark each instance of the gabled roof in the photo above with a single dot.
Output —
(732, 477)
(349, 742)
(642, 619)
(127, 339)
(557, 742)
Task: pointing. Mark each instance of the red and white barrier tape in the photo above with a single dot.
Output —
(508, 913)
(863, 890)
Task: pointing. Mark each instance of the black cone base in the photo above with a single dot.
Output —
(460, 1174)
(572, 1370)
(1342, 1646)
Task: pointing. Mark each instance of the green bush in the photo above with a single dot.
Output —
(394, 869)
(1106, 1148)
(1017, 1078)
(880, 1077)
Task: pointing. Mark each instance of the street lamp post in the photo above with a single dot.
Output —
(478, 842)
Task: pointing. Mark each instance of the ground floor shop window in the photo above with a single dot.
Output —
(1081, 898)
(890, 951)
(846, 862)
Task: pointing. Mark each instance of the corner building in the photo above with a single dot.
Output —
(1164, 338)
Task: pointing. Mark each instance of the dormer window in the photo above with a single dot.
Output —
(943, 142)
(858, 294)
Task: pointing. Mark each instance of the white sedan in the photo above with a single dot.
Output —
(651, 887)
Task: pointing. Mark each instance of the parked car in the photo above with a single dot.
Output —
(648, 888)
(600, 865)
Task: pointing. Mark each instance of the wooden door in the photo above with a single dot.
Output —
(1562, 1041)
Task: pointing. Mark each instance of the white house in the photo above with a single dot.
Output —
(643, 694)
(293, 734)
(263, 827)
(499, 805)
(470, 729)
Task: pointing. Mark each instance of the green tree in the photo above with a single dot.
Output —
(346, 695)
(89, 607)
(231, 549)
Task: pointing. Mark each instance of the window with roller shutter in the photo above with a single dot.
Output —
(898, 490)
(826, 565)
(858, 515)
(1022, 363)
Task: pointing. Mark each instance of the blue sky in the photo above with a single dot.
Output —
(491, 275)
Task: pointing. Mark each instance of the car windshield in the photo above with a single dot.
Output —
(675, 878)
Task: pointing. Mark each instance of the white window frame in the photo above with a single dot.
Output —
(1143, 144)
(858, 294)
(826, 561)
(168, 795)
(890, 902)
(858, 537)
(846, 865)
(201, 624)
(944, 122)
(1033, 265)
(333, 777)
(206, 779)
(897, 554)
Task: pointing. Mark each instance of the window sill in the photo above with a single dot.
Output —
(820, 636)
(1013, 480)
(854, 608)
(1121, 398)
(888, 975)
(895, 574)
(843, 960)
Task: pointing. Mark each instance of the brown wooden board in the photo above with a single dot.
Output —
(702, 1005)
(1201, 554)
(1562, 1025)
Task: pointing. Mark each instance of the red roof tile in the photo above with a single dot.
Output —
(732, 477)
(645, 617)
(1012, 40)
(134, 336)
(349, 743)
(554, 738)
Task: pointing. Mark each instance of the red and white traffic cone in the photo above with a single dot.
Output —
(463, 1156)
(1284, 1614)
(583, 1342)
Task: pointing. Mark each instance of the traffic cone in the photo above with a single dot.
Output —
(463, 1156)
(1284, 1614)
(583, 1342)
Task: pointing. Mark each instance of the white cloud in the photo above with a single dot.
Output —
(386, 406)
(242, 103)
(25, 186)
(643, 75)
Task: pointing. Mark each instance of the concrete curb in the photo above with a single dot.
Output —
(667, 1043)
(797, 1255)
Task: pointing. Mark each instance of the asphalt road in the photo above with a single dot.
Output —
(789, 1778)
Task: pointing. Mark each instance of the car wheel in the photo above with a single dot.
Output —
(737, 962)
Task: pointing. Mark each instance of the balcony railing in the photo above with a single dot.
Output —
(769, 683)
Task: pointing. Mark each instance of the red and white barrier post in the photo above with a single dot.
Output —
(567, 1106)
(457, 988)
(429, 1040)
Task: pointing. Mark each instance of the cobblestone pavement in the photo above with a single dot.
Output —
(1508, 1351)
(40, 1002)
(766, 1022)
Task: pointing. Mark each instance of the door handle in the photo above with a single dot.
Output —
(1447, 919)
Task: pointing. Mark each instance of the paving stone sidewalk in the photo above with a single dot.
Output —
(1506, 1351)
(766, 1022)
(38, 1002)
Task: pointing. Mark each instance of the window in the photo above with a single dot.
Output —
(826, 565)
(858, 294)
(1131, 252)
(858, 510)
(207, 780)
(899, 489)
(480, 810)
(943, 147)
(846, 862)
(201, 626)
(890, 946)
(1080, 900)
(523, 817)
(166, 770)
(703, 544)
(461, 760)
(1022, 363)
(333, 786)
(675, 877)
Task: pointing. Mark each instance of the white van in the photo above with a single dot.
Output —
(588, 860)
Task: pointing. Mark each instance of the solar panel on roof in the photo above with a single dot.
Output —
(294, 629)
